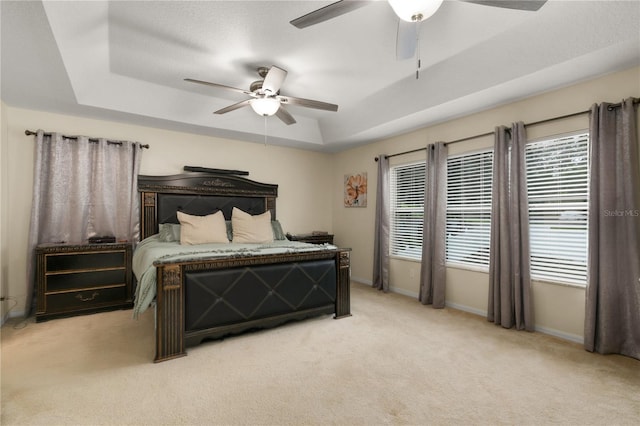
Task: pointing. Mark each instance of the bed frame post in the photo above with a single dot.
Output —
(148, 218)
(343, 284)
(170, 313)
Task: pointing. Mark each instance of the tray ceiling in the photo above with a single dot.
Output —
(126, 61)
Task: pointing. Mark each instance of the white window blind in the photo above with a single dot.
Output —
(407, 209)
(469, 179)
(557, 187)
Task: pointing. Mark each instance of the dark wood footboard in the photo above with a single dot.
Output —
(172, 337)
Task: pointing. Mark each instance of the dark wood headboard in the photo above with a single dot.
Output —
(200, 194)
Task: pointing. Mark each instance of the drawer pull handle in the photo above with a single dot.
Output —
(87, 299)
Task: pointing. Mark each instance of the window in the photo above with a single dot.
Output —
(557, 186)
(407, 209)
(468, 227)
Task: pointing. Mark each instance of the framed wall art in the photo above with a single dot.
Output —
(355, 190)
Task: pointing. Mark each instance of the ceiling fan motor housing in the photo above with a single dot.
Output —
(263, 71)
(256, 85)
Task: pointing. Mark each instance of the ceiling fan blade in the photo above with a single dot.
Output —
(308, 103)
(328, 12)
(232, 107)
(284, 115)
(273, 80)
(530, 5)
(407, 39)
(220, 86)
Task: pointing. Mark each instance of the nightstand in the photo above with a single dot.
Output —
(74, 279)
(312, 238)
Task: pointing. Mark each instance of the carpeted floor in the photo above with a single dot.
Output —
(393, 362)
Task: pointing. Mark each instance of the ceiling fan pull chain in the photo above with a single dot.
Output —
(418, 63)
(265, 130)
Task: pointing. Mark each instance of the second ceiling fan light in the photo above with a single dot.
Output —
(415, 10)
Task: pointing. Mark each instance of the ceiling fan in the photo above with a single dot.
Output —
(410, 12)
(266, 99)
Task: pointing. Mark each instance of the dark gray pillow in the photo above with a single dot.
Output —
(169, 232)
(278, 234)
(229, 230)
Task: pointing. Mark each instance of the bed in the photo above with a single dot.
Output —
(209, 291)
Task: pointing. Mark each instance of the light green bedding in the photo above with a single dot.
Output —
(152, 250)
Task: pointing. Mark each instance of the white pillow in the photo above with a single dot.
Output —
(202, 229)
(251, 229)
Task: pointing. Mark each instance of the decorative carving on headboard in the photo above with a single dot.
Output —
(217, 182)
(208, 183)
(161, 192)
(149, 199)
(148, 215)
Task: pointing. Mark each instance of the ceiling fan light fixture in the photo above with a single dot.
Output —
(415, 10)
(265, 106)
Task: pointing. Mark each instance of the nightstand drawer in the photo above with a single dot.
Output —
(57, 282)
(90, 298)
(64, 262)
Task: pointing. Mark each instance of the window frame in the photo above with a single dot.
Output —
(483, 210)
(394, 243)
(537, 209)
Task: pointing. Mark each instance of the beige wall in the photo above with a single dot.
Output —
(310, 185)
(304, 177)
(558, 309)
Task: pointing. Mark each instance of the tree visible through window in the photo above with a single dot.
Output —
(558, 191)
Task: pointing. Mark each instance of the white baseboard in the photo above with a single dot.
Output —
(545, 330)
(561, 334)
(391, 289)
(10, 315)
(362, 281)
(465, 308)
(404, 292)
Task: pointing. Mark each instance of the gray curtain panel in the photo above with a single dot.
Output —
(612, 314)
(510, 302)
(81, 189)
(433, 269)
(381, 232)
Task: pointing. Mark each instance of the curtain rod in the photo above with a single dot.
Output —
(31, 132)
(619, 104)
(535, 123)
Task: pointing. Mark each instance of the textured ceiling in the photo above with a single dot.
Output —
(126, 61)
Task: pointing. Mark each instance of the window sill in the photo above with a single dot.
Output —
(406, 259)
(559, 283)
(462, 266)
(486, 271)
